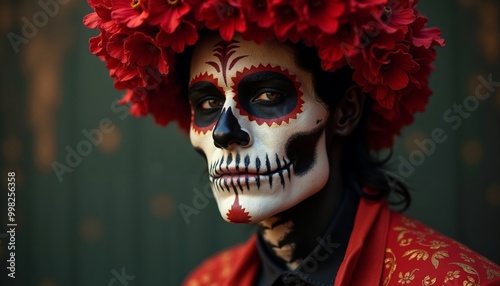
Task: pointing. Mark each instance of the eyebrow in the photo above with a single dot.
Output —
(201, 86)
(263, 76)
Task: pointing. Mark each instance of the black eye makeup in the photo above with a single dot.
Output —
(264, 94)
(207, 101)
(267, 96)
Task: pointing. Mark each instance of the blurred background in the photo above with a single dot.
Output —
(90, 212)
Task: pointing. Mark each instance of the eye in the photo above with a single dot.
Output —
(211, 103)
(268, 97)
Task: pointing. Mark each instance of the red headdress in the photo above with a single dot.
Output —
(385, 43)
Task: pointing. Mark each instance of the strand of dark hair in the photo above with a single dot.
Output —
(358, 165)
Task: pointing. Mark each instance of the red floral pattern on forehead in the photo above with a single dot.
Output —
(385, 43)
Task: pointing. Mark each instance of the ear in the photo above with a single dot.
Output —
(348, 112)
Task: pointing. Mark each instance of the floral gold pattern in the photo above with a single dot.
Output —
(438, 259)
(428, 281)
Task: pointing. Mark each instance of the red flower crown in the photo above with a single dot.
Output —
(384, 42)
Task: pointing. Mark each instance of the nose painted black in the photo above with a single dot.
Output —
(228, 131)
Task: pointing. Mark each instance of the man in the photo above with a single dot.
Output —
(286, 99)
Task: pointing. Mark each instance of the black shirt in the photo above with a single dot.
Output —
(320, 267)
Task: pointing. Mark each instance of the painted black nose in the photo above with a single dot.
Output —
(228, 131)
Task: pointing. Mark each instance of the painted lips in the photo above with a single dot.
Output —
(227, 178)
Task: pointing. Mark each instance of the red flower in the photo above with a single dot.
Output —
(356, 5)
(324, 14)
(258, 12)
(334, 50)
(141, 50)
(384, 72)
(396, 16)
(394, 72)
(167, 13)
(131, 14)
(95, 3)
(138, 102)
(256, 33)
(224, 15)
(286, 15)
(101, 19)
(92, 21)
(425, 37)
(116, 46)
(184, 35)
(96, 45)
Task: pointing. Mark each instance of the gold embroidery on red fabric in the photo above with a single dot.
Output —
(408, 222)
(461, 246)
(451, 275)
(467, 268)
(390, 263)
(407, 277)
(470, 282)
(416, 253)
(428, 281)
(467, 258)
(491, 273)
(438, 255)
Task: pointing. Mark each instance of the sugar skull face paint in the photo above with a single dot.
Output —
(256, 119)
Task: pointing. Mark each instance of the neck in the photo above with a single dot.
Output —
(291, 235)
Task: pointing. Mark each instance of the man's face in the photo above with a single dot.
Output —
(257, 120)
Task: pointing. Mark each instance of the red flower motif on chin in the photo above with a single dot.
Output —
(141, 50)
(131, 14)
(184, 35)
(224, 15)
(324, 14)
(167, 13)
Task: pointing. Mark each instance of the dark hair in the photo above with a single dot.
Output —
(358, 165)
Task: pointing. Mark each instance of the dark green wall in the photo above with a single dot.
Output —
(119, 207)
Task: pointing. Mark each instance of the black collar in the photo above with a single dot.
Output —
(320, 267)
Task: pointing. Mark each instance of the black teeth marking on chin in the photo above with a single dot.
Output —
(239, 184)
(287, 168)
(220, 164)
(247, 163)
(234, 187)
(246, 183)
(226, 185)
(257, 181)
(257, 164)
(214, 167)
(268, 166)
(280, 172)
(238, 159)
(229, 160)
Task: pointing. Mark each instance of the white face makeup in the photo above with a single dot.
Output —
(257, 120)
